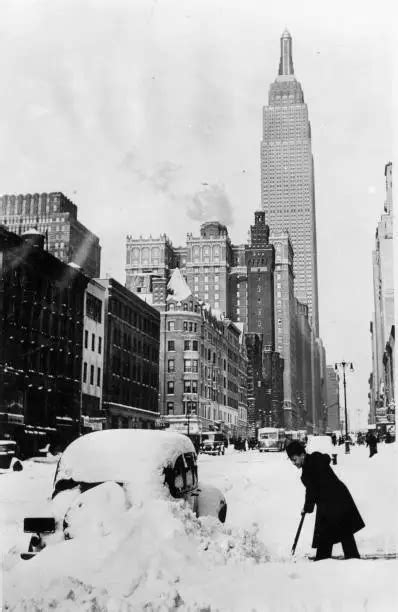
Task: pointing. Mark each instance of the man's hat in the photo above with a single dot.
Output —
(295, 448)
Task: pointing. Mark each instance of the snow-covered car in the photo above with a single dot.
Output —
(106, 472)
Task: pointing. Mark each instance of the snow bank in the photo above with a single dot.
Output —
(158, 556)
(142, 560)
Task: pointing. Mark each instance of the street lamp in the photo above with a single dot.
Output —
(343, 365)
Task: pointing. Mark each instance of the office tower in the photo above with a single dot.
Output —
(382, 410)
(287, 176)
(260, 262)
(285, 321)
(55, 216)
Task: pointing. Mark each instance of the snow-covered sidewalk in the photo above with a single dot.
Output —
(160, 557)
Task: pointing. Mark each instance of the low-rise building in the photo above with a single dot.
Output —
(131, 359)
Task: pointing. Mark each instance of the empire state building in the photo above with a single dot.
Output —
(287, 175)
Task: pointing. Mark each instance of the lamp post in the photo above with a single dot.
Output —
(343, 365)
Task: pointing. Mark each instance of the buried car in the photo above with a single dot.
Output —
(104, 473)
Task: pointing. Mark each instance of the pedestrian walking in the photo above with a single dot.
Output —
(371, 441)
(334, 439)
(337, 517)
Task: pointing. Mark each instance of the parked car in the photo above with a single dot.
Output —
(8, 459)
(212, 443)
(107, 471)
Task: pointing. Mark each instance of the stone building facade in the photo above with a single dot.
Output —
(202, 365)
(92, 374)
(287, 176)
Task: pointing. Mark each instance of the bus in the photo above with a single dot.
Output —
(296, 434)
(271, 439)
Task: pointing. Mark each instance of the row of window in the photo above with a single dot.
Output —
(92, 372)
(190, 386)
(185, 307)
(92, 342)
(188, 345)
(190, 365)
(130, 342)
(188, 326)
(189, 407)
(137, 320)
(93, 307)
(140, 372)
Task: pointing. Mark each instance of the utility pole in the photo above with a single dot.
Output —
(343, 365)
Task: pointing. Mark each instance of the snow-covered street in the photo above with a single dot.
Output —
(160, 557)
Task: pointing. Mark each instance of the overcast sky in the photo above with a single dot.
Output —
(128, 106)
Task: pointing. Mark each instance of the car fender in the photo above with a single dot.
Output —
(211, 502)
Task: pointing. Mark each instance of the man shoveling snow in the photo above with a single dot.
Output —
(337, 517)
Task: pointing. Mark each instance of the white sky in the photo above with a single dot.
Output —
(129, 106)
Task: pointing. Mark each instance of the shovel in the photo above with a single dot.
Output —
(298, 533)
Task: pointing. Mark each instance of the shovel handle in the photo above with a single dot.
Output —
(298, 533)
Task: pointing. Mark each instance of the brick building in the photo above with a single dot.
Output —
(41, 305)
(203, 365)
(131, 358)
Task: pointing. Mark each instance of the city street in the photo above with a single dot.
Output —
(159, 556)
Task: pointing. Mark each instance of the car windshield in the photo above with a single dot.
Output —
(268, 436)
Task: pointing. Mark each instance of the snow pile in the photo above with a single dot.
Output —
(142, 561)
(155, 555)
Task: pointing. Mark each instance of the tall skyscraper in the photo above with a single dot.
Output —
(381, 410)
(287, 176)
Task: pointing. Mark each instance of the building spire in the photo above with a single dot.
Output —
(286, 62)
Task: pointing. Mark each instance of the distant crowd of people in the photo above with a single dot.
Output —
(371, 439)
(243, 444)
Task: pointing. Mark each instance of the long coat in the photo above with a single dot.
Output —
(337, 515)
